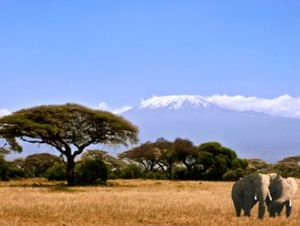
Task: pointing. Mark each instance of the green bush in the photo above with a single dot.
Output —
(155, 175)
(287, 169)
(91, 171)
(13, 171)
(180, 174)
(232, 175)
(56, 172)
(37, 164)
(131, 171)
(9, 170)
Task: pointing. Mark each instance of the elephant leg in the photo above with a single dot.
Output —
(279, 209)
(288, 207)
(238, 209)
(272, 212)
(247, 209)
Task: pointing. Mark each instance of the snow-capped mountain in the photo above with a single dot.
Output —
(258, 128)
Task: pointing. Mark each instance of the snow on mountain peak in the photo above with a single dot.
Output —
(174, 102)
(282, 106)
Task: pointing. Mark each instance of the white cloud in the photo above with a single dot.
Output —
(103, 106)
(284, 106)
(4, 112)
(122, 109)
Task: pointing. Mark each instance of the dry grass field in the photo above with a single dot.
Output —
(125, 202)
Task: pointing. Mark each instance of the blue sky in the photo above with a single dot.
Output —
(123, 51)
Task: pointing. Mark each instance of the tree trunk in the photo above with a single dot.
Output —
(188, 168)
(70, 171)
(170, 171)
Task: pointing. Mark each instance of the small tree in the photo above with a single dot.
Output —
(69, 128)
(36, 165)
(187, 153)
(145, 154)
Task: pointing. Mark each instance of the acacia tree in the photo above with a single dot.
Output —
(69, 128)
(167, 157)
(145, 154)
(187, 153)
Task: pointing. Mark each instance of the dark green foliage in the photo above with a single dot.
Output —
(132, 171)
(239, 163)
(217, 160)
(14, 171)
(157, 175)
(113, 164)
(91, 171)
(181, 173)
(182, 160)
(233, 175)
(56, 172)
(230, 175)
(36, 165)
(10, 170)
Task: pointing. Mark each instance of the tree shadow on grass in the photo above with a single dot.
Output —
(52, 186)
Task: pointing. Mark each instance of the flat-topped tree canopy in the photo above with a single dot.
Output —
(70, 128)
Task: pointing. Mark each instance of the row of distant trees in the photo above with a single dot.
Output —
(152, 160)
(287, 167)
(181, 159)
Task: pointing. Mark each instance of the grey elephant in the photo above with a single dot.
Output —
(248, 191)
(283, 191)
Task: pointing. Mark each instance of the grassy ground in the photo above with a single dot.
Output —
(126, 202)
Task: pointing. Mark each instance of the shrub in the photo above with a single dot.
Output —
(232, 175)
(91, 171)
(13, 171)
(131, 171)
(180, 174)
(56, 172)
(287, 169)
(37, 164)
(9, 170)
(156, 175)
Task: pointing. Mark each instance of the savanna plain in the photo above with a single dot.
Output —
(126, 202)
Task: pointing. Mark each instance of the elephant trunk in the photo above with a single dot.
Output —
(261, 209)
(262, 196)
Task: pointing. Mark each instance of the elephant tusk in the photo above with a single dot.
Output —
(255, 197)
(290, 203)
(270, 197)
